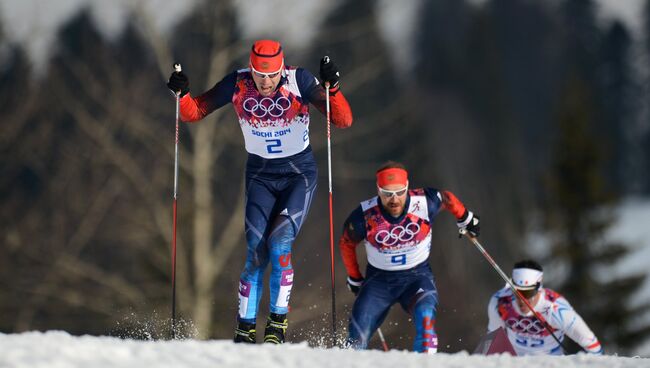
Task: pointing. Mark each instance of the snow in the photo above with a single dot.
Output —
(57, 349)
(632, 217)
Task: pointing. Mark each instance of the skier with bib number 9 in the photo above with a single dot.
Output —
(271, 100)
(395, 227)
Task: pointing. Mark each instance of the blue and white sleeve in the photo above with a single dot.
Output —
(561, 315)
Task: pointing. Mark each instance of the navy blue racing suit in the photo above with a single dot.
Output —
(281, 171)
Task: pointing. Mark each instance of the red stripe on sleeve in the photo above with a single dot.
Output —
(192, 109)
(349, 255)
(452, 204)
(341, 113)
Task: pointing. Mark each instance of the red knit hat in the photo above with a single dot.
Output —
(267, 56)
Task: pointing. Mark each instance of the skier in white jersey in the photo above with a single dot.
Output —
(395, 227)
(271, 100)
(526, 333)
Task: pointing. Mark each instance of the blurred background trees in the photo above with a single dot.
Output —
(525, 109)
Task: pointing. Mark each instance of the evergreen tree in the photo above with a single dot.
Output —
(619, 104)
(645, 143)
(601, 60)
(442, 43)
(646, 25)
(578, 217)
(583, 39)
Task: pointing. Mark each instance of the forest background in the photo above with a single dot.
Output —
(536, 114)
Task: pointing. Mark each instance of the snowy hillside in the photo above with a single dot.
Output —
(59, 349)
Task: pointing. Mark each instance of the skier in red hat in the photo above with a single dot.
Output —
(271, 100)
(395, 228)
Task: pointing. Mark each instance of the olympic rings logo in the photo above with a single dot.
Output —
(398, 233)
(265, 106)
(525, 325)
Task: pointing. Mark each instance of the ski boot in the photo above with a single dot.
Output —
(276, 326)
(245, 332)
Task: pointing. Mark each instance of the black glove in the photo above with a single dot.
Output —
(178, 82)
(472, 227)
(329, 72)
(354, 285)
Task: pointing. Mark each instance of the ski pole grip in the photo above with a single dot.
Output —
(177, 68)
(326, 59)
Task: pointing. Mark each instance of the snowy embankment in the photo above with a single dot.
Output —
(56, 349)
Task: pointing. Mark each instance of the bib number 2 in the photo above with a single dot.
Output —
(273, 146)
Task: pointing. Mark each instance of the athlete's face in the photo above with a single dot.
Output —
(393, 198)
(266, 83)
(532, 299)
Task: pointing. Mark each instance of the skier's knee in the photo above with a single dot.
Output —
(257, 258)
(282, 234)
(424, 303)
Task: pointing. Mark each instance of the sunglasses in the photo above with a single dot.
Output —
(528, 293)
(263, 75)
(390, 193)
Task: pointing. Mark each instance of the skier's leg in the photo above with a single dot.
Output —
(282, 236)
(259, 204)
(369, 311)
(424, 317)
(292, 208)
(420, 299)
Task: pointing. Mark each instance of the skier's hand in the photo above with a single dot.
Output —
(178, 82)
(354, 285)
(329, 72)
(472, 227)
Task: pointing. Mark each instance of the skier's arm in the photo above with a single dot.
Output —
(353, 234)
(494, 320)
(564, 317)
(446, 200)
(196, 108)
(452, 204)
(341, 113)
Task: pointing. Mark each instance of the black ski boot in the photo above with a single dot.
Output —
(276, 326)
(245, 332)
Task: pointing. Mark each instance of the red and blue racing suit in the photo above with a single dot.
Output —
(398, 268)
(281, 171)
